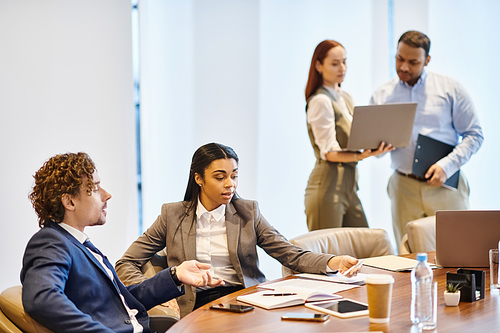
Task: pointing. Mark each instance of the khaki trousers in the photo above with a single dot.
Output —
(412, 199)
(331, 199)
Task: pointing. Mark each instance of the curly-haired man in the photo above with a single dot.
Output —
(68, 284)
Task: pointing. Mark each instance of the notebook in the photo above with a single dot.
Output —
(389, 123)
(464, 237)
(285, 297)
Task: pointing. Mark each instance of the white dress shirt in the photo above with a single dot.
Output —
(321, 117)
(81, 237)
(211, 244)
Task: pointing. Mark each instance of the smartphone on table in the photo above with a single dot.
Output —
(305, 316)
(344, 308)
(232, 307)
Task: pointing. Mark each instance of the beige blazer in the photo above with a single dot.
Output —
(175, 230)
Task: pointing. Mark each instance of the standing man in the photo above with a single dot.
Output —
(444, 112)
(68, 284)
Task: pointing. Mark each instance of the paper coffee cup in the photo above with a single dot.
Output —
(379, 290)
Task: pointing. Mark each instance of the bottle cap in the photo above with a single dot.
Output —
(422, 257)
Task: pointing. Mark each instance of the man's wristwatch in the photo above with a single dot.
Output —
(173, 273)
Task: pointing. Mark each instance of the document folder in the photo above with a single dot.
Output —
(428, 152)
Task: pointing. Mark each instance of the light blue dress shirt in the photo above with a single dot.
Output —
(445, 112)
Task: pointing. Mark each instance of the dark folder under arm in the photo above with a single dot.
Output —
(428, 152)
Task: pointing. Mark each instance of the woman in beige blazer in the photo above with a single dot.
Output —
(216, 227)
(331, 198)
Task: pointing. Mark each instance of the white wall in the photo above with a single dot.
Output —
(465, 46)
(238, 74)
(199, 84)
(65, 85)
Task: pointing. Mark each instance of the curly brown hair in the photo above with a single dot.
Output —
(61, 174)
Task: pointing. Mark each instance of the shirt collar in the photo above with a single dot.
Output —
(335, 93)
(80, 236)
(420, 80)
(218, 213)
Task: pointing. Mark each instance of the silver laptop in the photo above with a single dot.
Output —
(464, 237)
(389, 123)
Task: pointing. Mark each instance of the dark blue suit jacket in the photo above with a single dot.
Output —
(66, 289)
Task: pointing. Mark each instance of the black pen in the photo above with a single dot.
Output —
(280, 294)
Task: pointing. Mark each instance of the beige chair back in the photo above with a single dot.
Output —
(156, 264)
(355, 242)
(404, 246)
(13, 319)
(422, 234)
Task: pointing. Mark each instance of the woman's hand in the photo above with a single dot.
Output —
(382, 149)
(343, 263)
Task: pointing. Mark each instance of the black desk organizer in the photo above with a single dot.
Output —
(472, 283)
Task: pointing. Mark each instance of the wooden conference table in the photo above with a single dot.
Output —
(481, 316)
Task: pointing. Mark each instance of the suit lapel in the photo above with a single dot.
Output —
(87, 252)
(233, 231)
(188, 227)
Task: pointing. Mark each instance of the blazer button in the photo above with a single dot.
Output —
(127, 321)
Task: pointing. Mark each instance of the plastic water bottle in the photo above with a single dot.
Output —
(421, 294)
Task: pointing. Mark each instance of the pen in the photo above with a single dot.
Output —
(279, 294)
(360, 261)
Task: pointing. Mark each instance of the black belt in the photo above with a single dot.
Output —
(412, 176)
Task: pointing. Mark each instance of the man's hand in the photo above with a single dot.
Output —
(343, 263)
(438, 175)
(196, 274)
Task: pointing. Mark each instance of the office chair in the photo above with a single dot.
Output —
(164, 315)
(356, 242)
(13, 319)
(420, 236)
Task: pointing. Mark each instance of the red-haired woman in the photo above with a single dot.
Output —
(331, 198)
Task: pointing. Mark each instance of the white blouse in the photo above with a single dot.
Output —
(321, 117)
(211, 244)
